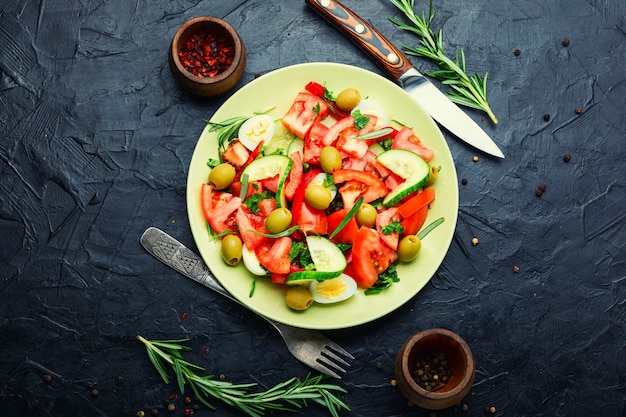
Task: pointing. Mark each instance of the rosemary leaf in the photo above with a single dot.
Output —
(469, 91)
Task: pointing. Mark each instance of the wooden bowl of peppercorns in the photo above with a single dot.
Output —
(207, 57)
(435, 369)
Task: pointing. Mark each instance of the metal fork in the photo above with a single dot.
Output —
(308, 346)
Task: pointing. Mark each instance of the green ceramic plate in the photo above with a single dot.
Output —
(279, 88)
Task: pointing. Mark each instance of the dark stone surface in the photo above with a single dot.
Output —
(94, 148)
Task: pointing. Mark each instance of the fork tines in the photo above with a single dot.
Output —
(332, 358)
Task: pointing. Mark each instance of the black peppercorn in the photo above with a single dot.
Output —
(542, 187)
(464, 181)
(565, 42)
(567, 157)
(546, 117)
(517, 52)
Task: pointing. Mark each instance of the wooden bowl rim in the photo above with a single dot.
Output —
(189, 25)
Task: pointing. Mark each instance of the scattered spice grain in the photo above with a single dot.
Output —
(464, 181)
(394, 382)
(47, 377)
(517, 52)
(475, 241)
(187, 400)
(538, 192)
(516, 269)
(475, 158)
(543, 187)
(171, 407)
(567, 157)
(464, 407)
(492, 410)
(155, 412)
(565, 42)
(546, 117)
(94, 392)
(141, 413)
(578, 110)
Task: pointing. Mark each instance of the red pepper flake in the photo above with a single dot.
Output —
(206, 54)
(206, 351)
(516, 269)
(184, 315)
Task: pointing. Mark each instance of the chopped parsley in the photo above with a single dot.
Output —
(360, 120)
(394, 226)
(253, 201)
(385, 280)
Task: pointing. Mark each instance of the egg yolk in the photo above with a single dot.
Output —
(332, 288)
(258, 130)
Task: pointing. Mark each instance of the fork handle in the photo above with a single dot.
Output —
(182, 259)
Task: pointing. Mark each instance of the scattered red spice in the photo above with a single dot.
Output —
(184, 315)
(516, 269)
(206, 351)
(206, 54)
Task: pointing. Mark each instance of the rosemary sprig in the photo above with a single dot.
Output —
(289, 395)
(467, 91)
(228, 129)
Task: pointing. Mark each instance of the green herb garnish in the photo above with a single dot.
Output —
(253, 201)
(385, 280)
(290, 395)
(394, 226)
(467, 91)
(360, 120)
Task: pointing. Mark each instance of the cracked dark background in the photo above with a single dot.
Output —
(95, 141)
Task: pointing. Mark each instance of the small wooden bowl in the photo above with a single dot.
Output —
(201, 85)
(460, 362)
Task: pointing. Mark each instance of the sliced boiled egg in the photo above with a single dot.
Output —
(333, 290)
(370, 107)
(256, 129)
(319, 180)
(251, 262)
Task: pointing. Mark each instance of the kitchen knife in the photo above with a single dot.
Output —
(396, 64)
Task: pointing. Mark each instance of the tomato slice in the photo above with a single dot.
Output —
(274, 255)
(303, 113)
(358, 183)
(416, 202)
(310, 220)
(218, 208)
(313, 143)
(236, 154)
(295, 175)
(406, 139)
(415, 221)
(384, 218)
(347, 234)
(333, 131)
(370, 257)
(248, 223)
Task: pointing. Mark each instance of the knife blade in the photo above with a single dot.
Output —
(397, 65)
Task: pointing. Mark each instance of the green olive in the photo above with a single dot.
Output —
(408, 248)
(348, 99)
(434, 173)
(299, 297)
(231, 249)
(317, 196)
(366, 215)
(278, 220)
(222, 176)
(330, 159)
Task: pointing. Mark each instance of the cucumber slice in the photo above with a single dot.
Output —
(281, 140)
(268, 167)
(306, 277)
(326, 256)
(408, 165)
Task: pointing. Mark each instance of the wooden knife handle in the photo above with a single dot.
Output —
(384, 53)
